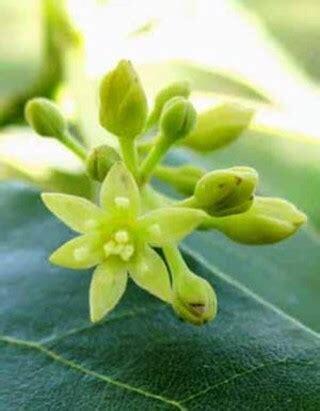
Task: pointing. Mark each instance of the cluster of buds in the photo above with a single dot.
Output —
(119, 235)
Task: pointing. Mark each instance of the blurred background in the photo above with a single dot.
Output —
(265, 54)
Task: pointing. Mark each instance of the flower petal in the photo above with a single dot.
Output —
(169, 225)
(150, 273)
(119, 191)
(82, 252)
(78, 213)
(108, 283)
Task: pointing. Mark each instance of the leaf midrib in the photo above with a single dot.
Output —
(171, 402)
(174, 403)
(80, 368)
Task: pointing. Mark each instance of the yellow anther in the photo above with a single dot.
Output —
(122, 202)
(109, 247)
(121, 236)
(127, 252)
(81, 253)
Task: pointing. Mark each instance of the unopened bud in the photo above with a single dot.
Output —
(45, 117)
(225, 192)
(100, 160)
(123, 104)
(194, 300)
(219, 126)
(179, 88)
(178, 119)
(268, 221)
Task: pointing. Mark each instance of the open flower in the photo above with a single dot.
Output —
(118, 239)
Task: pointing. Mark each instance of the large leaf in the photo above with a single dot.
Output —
(295, 24)
(252, 357)
(20, 54)
(43, 162)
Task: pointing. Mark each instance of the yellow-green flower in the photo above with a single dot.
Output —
(118, 239)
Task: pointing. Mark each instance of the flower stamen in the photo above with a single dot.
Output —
(120, 245)
(121, 236)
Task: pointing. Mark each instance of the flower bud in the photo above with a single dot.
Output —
(179, 88)
(225, 192)
(268, 221)
(123, 104)
(100, 160)
(194, 300)
(219, 126)
(45, 117)
(178, 119)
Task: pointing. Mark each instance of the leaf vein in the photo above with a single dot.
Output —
(231, 281)
(78, 330)
(80, 368)
(236, 376)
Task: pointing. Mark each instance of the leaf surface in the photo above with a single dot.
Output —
(141, 357)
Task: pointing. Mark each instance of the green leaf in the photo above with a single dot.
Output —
(202, 79)
(20, 56)
(43, 162)
(252, 357)
(295, 29)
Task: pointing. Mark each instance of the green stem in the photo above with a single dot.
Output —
(189, 202)
(72, 144)
(145, 146)
(129, 154)
(210, 223)
(176, 263)
(155, 155)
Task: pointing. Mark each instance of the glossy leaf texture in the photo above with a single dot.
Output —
(141, 357)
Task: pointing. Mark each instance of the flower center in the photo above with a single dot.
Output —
(119, 244)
